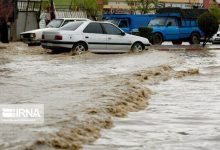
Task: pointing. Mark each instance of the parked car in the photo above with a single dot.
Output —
(128, 22)
(176, 25)
(33, 37)
(216, 37)
(94, 36)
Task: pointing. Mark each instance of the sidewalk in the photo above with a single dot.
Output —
(185, 47)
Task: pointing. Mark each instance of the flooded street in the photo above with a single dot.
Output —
(183, 114)
(173, 105)
(68, 86)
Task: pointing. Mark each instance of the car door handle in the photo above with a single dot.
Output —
(109, 38)
(86, 37)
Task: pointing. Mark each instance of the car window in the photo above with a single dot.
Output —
(123, 23)
(114, 21)
(111, 29)
(72, 26)
(171, 22)
(157, 21)
(56, 23)
(93, 27)
(67, 21)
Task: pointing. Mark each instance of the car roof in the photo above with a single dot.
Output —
(100, 21)
(88, 20)
(91, 21)
(74, 18)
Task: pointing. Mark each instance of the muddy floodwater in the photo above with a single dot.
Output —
(152, 100)
(183, 114)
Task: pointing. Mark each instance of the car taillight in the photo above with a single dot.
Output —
(42, 36)
(58, 37)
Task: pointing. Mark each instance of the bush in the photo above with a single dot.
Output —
(145, 32)
(208, 23)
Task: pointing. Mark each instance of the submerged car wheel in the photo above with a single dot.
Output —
(137, 47)
(78, 49)
(194, 38)
(157, 39)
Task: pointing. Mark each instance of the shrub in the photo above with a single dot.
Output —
(215, 10)
(145, 32)
(208, 23)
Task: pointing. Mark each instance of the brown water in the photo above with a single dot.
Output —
(184, 114)
(72, 89)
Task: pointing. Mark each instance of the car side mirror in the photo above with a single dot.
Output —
(122, 34)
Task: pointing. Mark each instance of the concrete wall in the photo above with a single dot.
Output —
(26, 22)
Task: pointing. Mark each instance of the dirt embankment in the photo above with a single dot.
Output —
(130, 95)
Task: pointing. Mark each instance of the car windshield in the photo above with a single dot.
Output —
(157, 22)
(56, 23)
(72, 26)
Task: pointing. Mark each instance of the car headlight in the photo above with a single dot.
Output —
(33, 35)
(21, 36)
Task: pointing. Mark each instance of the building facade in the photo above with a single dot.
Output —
(182, 3)
(126, 5)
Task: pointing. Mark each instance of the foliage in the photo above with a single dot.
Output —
(62, 2)
(90, 6)
(145, 32)
(215, 10)
(208, 24)
(105, 2)
(143, 6)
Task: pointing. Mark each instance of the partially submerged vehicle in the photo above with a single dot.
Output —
(33, 37)
(95, 36)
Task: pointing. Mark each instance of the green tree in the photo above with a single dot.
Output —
(215, 10)
(209, 25)
(143, 6)
(105, 2)
(90, 6)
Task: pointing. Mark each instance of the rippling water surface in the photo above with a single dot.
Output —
(66, 85)
(184, 114)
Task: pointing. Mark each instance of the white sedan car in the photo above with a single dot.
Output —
(103, 37)
(33, 37)
(216, 37)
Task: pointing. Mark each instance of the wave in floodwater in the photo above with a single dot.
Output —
(80, 94)
(184, 113)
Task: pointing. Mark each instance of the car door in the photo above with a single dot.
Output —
(116, 39)
(172, 29)
(93, 34)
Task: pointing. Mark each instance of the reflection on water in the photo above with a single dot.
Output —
(183, 115)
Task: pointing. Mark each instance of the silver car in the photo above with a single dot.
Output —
(95, 36)
(33, 37)
(216, 37)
